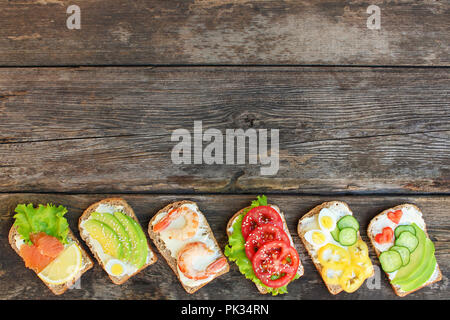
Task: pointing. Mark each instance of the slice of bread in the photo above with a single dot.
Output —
(332, 288)
(114, 202)
(300, 271)
(165, 252)
(371, 234)
(86, 262)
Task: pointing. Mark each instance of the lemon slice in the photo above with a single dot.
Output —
(64, 267)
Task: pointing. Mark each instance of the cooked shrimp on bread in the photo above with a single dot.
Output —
(184, 238)
(171, 225)
(196, 261)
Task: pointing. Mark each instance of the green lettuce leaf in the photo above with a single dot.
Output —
(49, 219)
(235, 250)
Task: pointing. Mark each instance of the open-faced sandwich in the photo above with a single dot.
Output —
(42, 238)
(184, 238)
(113, 233)
(404, 249)
(261, 246)
(331, 236)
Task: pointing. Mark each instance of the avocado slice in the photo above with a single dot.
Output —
(108, 239)
(137, 238)
(115, 224)
(426, 272)
(428, 254)
(416, 259)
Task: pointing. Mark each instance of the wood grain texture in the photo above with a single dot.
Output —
(108, 129)
(34, 32)
(159, 282)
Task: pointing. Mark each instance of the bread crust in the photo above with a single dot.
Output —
(371, 236)
(128, 211)
(60, 288)
(230, 223)
(333, 289)
(172, 262)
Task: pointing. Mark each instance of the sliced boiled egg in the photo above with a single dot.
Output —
(327, 220)
(115, 268)
(316, 238)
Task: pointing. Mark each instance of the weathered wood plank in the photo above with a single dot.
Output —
(34, 32)
(108, 129)
(158, 281)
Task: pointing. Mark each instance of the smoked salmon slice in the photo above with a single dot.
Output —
(47, 245)
(33, 258)
(44, 250)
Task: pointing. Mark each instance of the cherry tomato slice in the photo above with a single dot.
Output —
(395, 216)
(275, 263)
(259, 216)
(385, 236)
(261, 235)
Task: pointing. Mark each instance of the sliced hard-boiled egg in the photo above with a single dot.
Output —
(327, 220)
(115, 267)
(317, 238)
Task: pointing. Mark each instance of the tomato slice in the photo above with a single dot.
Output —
(261, 235)
(352, 278)
(359, 252)
(275, 263)
(259, 216)
(333, 256)
(385, 236)
(395, 216)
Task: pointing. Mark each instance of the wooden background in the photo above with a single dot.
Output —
(364, 117)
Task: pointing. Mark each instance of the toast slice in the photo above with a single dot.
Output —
(171, 257)
(118, 204)
(59, 289)
(300, 270)
(372, 231)
(302, 229)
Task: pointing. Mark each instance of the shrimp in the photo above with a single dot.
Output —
(188, 230)
(190, 253)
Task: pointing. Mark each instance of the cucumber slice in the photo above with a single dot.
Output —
(335, 234)
(408, 240)
(348, 236)
(348, 222)
(402, 228)
(404, 253)
(390, 260)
